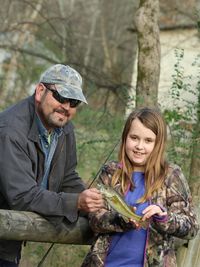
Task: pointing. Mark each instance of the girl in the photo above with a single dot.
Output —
(157, 190)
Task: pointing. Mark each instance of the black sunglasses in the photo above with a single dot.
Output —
(73, 102)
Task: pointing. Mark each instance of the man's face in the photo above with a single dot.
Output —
(51, 112)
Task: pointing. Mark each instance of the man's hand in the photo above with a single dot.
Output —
(90, 200)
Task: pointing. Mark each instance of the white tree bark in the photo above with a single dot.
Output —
(94, 20)
(65, 6)
(19, 40)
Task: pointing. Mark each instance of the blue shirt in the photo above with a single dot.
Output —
(127, 248)
(48, 143)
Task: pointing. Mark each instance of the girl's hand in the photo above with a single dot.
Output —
(152, 210)
(135, 224)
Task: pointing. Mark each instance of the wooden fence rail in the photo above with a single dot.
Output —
(29, 226)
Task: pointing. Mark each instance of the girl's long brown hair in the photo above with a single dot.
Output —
(156, 166)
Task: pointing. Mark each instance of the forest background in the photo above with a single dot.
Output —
(112, 44)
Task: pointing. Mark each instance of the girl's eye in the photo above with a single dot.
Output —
(149, 140)
(133, 137)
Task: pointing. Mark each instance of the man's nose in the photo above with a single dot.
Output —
(66, 105)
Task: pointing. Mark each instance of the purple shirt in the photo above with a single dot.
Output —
(127, 248)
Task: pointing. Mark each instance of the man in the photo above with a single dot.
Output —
(38, 156)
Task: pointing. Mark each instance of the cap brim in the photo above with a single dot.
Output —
(71, 92)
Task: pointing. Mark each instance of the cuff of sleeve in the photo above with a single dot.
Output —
(158, 218)
(70, 209)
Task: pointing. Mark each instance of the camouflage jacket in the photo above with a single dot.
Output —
(180, 222)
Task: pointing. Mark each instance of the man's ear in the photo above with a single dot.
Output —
(39, 92)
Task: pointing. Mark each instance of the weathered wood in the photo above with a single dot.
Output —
(189, 253)
(29, 226)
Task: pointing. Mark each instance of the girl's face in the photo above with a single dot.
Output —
(140, 143)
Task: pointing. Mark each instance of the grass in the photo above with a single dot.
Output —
(59, 255)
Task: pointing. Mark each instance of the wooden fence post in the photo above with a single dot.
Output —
(188, 255)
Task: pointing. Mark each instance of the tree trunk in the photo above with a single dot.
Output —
(65, 6)
(24, 225)
(148, 74)
(195, 161)
(19, 39)
(105, 44)
(91, 35)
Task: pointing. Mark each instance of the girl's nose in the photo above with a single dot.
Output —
(139, 144)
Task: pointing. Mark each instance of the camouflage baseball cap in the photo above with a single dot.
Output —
(67, 80)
